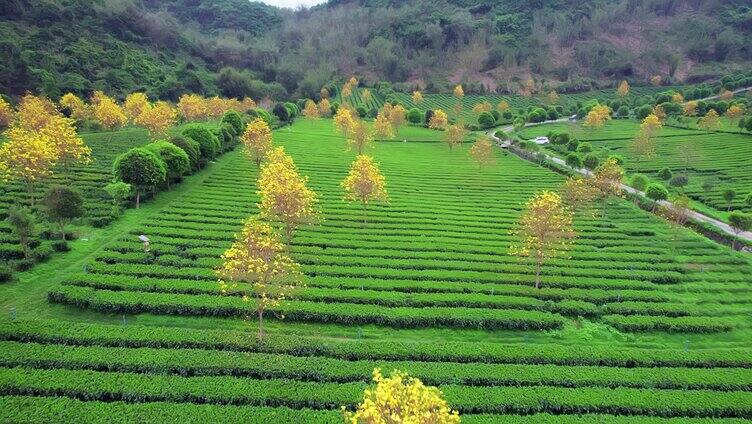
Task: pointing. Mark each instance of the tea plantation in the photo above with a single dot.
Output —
(644, 322)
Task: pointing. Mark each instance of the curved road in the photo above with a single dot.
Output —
(746, 235)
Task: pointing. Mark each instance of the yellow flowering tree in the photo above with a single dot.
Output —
(325, 108)
(597, 117)
(710, 121)
(734, 112)
(193, 107)
(27, 156)
(454, 135)
(366, 95)
(503, 106)
(359, 136)
(157, 119)
(397, 116)
(459, 93)
(552, 97)
(659, 112)
(400, 398)
(285, 196)
(311, 111)
(383, 126)
(216, 107)
(690, 108)
(69, 148)
(324, 93)
(544, 231)
(623, 89)
(481, 107)
(365, 183)
(247, 104)
(343, 121)
(6, 113)
(109, 114)
(257, 267)
(417, 97)
(580, 194)
(726, 94)
(643, 144)
(257, 140)
(482, 152)
(439, 120)
(656, 80)
(76, 108)
(35, 112)
(134, 104)
(677, 97)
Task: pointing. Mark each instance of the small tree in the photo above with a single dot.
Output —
(109, 114)
(360, 136)
(140, 168)
(134, 104)
(118, 191)
(285, 197)
(482, 152)
(729, 194)
(27, 156)
(383, 126)
(257, 267)
(175, 159)
(311, 111)
(454, 135)
(544, 231)
(640, 182)
(365, 183)
(623, 89)
(401, 399)
(193, 107)
(656, 192)
(665, 174)
(417, 97)
(157, 119)
(597, 117)
(438, 120)
(21, 222)
(709, 122)
(740, 222)
(63, 204)
(415, 116)
(257, 140)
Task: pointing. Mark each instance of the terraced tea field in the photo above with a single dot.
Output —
(644, 323)
(720, 157)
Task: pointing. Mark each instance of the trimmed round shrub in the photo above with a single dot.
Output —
(362, 112)
(496, 115)
(584, 147)
(537, 115)
(573, 144)
(208, 143)
(281, 112)
(643, 111)
(656, 192)
(486, 120)
(622, 112)
(176, 159)
(639, 182)
(590, 161)
(415, 116)
(552, 114)
(190, 147)
(141, 168)
(665, 174)
(560, 139)
(574, 160)
(680, 180)
(6, 274)
(235, 120)
(618, 159)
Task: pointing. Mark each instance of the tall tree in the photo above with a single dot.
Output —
(365, 183)
(257, 267)
(623, 89)
(157, 119)
(482, 152)
(193, 107)
(109, 114)
(597, 117)
(438, 120)
(359, 136)
(544, 231)
(134, 104)
(454, 135)
(141, 168)
(643, 144)
(28, 156)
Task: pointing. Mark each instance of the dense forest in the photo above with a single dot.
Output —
(239, 48)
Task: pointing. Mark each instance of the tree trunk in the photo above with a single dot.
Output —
(365, 214)
(138, 198)
(537, 274)
(24, 246)
(62, 228)
(261, 323)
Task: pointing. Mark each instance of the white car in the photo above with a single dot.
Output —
(541, 140)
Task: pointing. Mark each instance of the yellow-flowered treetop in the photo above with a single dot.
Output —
(439, 120)
(458, 91)
(247, 104)
(552, 97)
(365, 183)
(544, 231)
(325, 108)
(710, 121)
(656, 80)
(397, 116)
(734, 112)
(644, 143)
(481, 107)
(677, 97)
(597, 116)
(6, 113)
(311, 111)
(359, 136)
(503, 106)
(343, 120)
(193, 107)
(402, 399)
(346, 91)
(216, 107)
(257, 140)
(623, 89)
(26, 156)
(285, 196)
(383, 126)
(608, 177)
(659, 112)
(257, 267)
(35, 112)
(353, 81)
(690, 108)
(109, 113)
(417, 97)
(454, 135)
(134, 104)
(157, 119)
(366, 95)
(324, 93)
(579, 194)
(726, 94)
(61, 133)
(482, 152)
(76, 107)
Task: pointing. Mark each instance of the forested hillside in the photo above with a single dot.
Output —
(238, 47)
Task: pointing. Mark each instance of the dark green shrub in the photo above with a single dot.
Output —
(665, 174)
(190, 147)
(415, 116)
(640, 182)
(590, 161)
(680, 180)
(61, 246)
(584, 147)
(208, 143)
(486, 120)
(42, 253)
(6, 274)
(61, 204)
(656, 192)
(574, 160)
(236, 120)
(281, 112)
(176, 159)
(362, 112)
(141, 168)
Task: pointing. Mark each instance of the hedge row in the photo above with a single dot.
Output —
(341, 313)
(194, 362)
(690, 324)
(114, 386)
(29, 409)
(133, 336)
